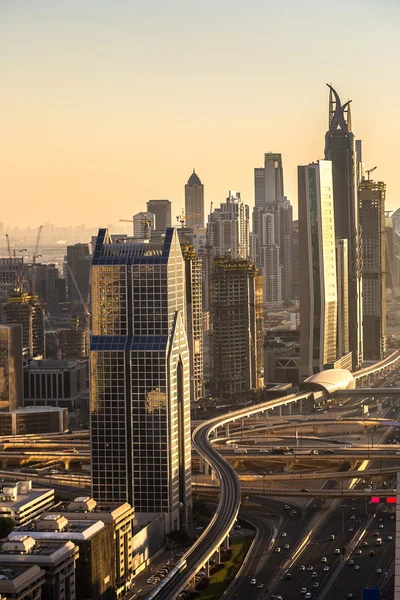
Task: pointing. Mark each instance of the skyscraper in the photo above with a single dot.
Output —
(342, 268)
(140, 377)
(161, 210)
(11, 372)
(228, 228)
(25, 310)
(194, 202)
(318, 286)
(143, 225)
(371, 204)
(11, 271)
(268, 180)
(238, 326)
(79, 262)
(340, 149)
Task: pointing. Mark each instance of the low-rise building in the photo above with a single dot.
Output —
(21, 582)
(21, 502)
(56, 559)
(34, 419)
(62, 383)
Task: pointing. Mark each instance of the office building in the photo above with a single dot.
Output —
(56, 559)
(371, 206)
(237, 326)
(34, 420)
(268, 180)
(341, 151)
(140, 377)
(47, 284)
(194, 202)
(11, 383)
(228, 228)
(342, 267)
(78, 265)
(318, 286)
(25, 310)
(161, 209)
(295, 261)
(392, 239)
(143, 225)
(11, 272)
(62, 383)
(20, 502)
(22, 582)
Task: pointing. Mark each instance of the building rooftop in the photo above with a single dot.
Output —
(54, 526)
(89, 509)
(37, 409)
(16, 495)
(53, 364)
(194, 179)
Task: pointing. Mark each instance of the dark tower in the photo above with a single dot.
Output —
(340, 149)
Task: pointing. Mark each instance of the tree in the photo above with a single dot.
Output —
(7, 524)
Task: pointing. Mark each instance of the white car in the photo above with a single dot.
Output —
(277, 549)
(253, 582)
(308, 596)
(324, 559)
(326, 568)
(357, 567)
(284, 534)
(379, 571)
(303, 591)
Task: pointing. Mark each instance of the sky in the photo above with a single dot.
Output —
(105, 105)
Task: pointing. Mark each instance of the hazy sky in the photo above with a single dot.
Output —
(105, 105)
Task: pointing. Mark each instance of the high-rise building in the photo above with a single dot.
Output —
(371, 206)
(237, 326)
(228, 228)
(318, 287)
(295, 260)
(45, 282)
(268, 180)
(11, 373)
(143, 225)
(392, 256)
(340, 149)
(140, 377)
(194, 202)
(25, 309)
(161, 209)
(79, 263)
(11, 272)
(342, 267)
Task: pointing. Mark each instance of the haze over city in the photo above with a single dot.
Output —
(107, 105)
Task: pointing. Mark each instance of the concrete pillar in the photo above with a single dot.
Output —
(227, 430)
(217, 555)
(201, 464)
(266, 415)
(242, 422)
(301, 406)
(66, 464)
(280, 410)
(207, 569)
(289, 409)
(226, 543)
(212, 475)
(215, 433)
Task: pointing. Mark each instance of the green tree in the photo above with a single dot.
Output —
(7, 524)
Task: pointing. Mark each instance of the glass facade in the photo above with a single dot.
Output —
(140, 380)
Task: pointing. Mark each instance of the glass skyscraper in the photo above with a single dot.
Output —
(140, 377)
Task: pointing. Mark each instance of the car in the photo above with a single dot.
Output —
(287, 507)
(350, 595)
(358, 520)
(358, 552)
(380, 525)
(302, 568)
(288, 576)
(303, 591)
(372, 553)
(389, 538)
(379, 571)
(314, 506)
(308, 596)
(253, 582)
(324, 559)
(337, 551)
(284, 534)
(277, 549)
(353, 517)
(376, 534)
(264, 450)
(304, 490)
(329, 451)
(286, 546)
(351, 563)
(314, 575)
(199, 528)
(356, 567)
(332, 537)
(351, 529)
(260, 586)
(326, 568)
(315, 585)
(53, 472)
(365, 543)
(310, 568)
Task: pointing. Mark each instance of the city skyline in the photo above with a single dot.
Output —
(87, 126)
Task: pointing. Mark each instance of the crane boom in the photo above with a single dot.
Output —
(8, 246)
(35, 252)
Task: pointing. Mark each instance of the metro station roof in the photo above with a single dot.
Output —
(329, 381)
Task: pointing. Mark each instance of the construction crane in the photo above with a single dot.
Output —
(182, 217)
(369, 171)
(8, 246)
(34, 257)
(147, 223)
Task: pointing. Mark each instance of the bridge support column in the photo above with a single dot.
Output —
(289, 410)
(301, 406)
(201, 465)
(217, 555)
(280, 411)
(227, 430)
(212, 474)
(242, 422)
(207, 569)
(226, 543)
(66, 464)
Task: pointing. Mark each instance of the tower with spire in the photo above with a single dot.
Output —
(194, 202)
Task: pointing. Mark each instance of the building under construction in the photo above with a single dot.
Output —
(237, 326)
(25, 309)
(72, 343)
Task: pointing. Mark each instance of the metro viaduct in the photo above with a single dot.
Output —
(278, 492)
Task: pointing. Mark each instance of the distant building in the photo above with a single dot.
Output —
(72, 343)
(143, 225)
(161, 209)
(228, 228)
(25, 310)
(11, 381)
(268, 180)
(194, 202)
(371, 206)
(34, 420)
(139, 344)
(237, 326)
(11, 272)
(20, 502)
(56, 559)
(62, 383)
(318, 284)
(78, 264)
(49, 286)
(392, 239)
(295, 261)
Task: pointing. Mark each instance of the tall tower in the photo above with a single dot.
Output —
(140, 377)
(25, 310)
(194, 202)
(79, 262)
(161, 210)
(371, 204)
(238, 326)
(11, 371)
(228, 228)
(268, 180)
(318, 287)
(340, 150)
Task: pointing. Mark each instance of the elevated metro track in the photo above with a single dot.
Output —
(206, 488)
(350, 456)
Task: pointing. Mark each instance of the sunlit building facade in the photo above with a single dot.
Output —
(140, 377)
